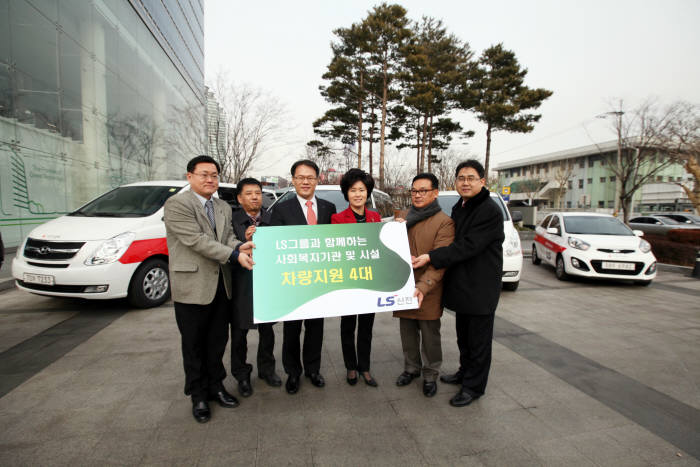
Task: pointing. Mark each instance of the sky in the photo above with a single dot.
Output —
(591, 54)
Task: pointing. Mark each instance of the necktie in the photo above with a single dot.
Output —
(209, 206)
(310, 214)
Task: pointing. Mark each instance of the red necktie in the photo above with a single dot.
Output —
(310, 214)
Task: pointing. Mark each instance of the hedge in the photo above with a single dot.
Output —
(668, 249)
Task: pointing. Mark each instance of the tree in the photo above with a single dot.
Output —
(136, 140)
(503, 101)
(561, 176)
(387, 31)
(682, 143)
(434, 65)
(249, 120)
(644, 146)
(529, 186)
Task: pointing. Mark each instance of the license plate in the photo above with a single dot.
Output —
(38, 279)
(618, 266)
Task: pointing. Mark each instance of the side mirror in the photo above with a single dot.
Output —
(638, 233)
(517, 216)
(553, 230)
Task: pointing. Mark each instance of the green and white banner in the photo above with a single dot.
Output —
(316, 271)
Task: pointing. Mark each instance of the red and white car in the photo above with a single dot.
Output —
(112, 247)
(593, 245)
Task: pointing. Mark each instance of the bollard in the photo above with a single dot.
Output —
(696, 270)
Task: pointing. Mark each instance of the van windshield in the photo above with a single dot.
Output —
(128, 201)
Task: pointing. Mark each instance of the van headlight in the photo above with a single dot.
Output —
(644, 246)
(111, 250)
(578, 244)
(512, 244)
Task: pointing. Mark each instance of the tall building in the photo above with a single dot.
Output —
(216, 126)
(581, 178)
(90, 96)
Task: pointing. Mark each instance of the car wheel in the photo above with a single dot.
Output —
(643, 283)
(512, 286)
(561, 269)
(150, 285)
(535, 259)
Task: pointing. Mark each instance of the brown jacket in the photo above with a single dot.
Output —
(428, 234)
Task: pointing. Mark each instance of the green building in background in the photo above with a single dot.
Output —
(582, 179)
(90, 93)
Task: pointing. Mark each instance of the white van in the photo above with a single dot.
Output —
(112, 247)
(512, 250)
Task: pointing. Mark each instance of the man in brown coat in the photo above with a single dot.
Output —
(428, 228)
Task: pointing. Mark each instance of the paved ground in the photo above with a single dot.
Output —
(584, 373)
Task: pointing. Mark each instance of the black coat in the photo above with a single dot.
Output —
(242, 278)
(474, 261)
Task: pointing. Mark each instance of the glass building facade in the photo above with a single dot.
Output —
(94, 94)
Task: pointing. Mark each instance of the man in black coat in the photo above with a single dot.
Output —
(244, 221)
(303, 209)
(474, 263)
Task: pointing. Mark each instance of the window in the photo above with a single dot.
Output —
(546, 221)
(580, 183)
(678, 179)
(555, 224)
(611, 203)
(612, 178)
(602, 162)
(601, 204)
(569, 184)
(568, 204)
(589, 181)
(670, 178)
(602, 179)
(582, 163)
(659, 178)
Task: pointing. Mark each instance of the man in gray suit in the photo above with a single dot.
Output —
(200, 244)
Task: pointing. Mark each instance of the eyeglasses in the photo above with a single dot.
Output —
(422, 192)
(470, 179)
(300, 178)
(205, 176)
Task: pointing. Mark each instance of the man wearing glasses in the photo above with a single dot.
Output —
(201, 242)
(428, 228)
(304, 209)
(474, 263)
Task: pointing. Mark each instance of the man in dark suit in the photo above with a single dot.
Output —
(474, 263)
(200, 244)
(305, 208)
(244, 221)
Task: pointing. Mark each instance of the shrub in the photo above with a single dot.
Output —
(672, 252)
(691, 236)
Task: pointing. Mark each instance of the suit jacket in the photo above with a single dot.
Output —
(347, 217)
(242, 278)
(474, 261)
(197, 254)
(434, 232)
(289, 212)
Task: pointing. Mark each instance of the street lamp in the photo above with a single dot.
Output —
(618, 185)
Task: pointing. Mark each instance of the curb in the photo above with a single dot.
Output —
(685, 270)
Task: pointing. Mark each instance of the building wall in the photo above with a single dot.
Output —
(88, 95)
(591, 183)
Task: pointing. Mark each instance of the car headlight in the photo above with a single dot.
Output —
(578, 244)
(644, 246)
(111, 250)
(512, 245)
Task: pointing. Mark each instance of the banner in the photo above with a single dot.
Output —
(315, 271)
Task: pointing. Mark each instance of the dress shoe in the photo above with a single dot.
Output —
(462, 398)
(455, 378)
(369, 381)
(351, 381)
(317, 380)
(429, 388)
(271, 379)
(406, 378)
(244, 388)
(201, 411)
(224, 399)
(292, 384)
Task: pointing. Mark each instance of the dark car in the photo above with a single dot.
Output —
(657, 224)
(682, 217)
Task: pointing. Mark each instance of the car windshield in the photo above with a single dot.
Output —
(595, 225)
(666, 220)
(128, 201)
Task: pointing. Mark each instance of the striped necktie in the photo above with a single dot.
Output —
(209, 206)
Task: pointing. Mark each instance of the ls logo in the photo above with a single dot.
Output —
(393, 300)
(388, 301)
